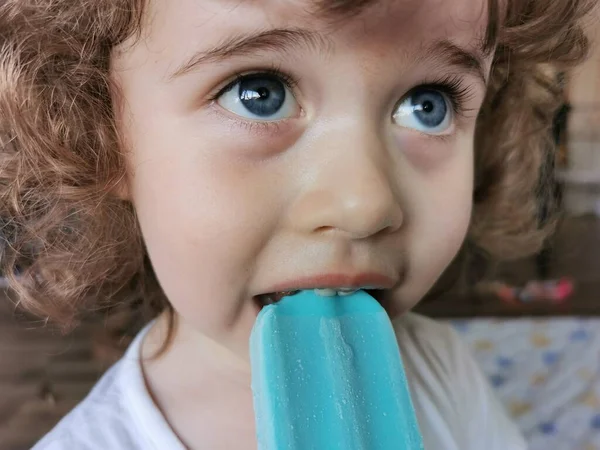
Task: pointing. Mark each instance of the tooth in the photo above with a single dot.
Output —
(326, 292)
(344, 293)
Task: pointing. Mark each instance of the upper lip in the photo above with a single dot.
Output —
(337, 280)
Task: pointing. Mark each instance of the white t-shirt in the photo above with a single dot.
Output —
(455, 406)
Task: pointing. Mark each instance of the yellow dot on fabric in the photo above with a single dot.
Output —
(538, 379)
(518, 408)
(484, 345)
(590, 399)
(540, 340)
(590, 447)
(585, 374)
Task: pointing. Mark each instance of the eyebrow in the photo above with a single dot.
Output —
(448, 52)
(275, 40)
(283, 40)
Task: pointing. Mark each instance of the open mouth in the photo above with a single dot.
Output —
(263, 300)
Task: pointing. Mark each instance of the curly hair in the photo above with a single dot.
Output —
(79, 247)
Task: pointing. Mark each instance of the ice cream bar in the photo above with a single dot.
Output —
(327, 375)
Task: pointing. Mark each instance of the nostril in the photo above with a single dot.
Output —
(323, 229)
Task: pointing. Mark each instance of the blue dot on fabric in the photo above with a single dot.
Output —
(461, 325)
(595, 423)
(579, 335)
(550, 358)
(497, 380)
(504, 362)
(548, 427)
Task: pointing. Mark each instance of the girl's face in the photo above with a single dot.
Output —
(271, 150)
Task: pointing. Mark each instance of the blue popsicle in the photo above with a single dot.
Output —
(327, 375)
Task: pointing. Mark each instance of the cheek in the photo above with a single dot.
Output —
(444, 224)
(202, 226)
(434, 158)
(188, 243)
(439, 220)
(201, 249)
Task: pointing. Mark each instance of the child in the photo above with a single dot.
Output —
(263, 146)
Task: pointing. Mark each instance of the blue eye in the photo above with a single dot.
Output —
(261, 97)
(426, 110)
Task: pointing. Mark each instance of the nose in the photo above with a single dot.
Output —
(352, 188)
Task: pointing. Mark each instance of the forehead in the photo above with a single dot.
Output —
(378, 23)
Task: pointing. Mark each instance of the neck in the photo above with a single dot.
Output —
(200, 385)
(191, 354)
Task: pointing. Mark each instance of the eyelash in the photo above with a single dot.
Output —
(457, 92)
(452, 86)
(290, 81)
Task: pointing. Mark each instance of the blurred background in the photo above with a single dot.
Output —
(533, 324)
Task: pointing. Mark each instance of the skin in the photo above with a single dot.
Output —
(230, 207)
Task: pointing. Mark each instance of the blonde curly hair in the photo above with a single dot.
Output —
(79, 247)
